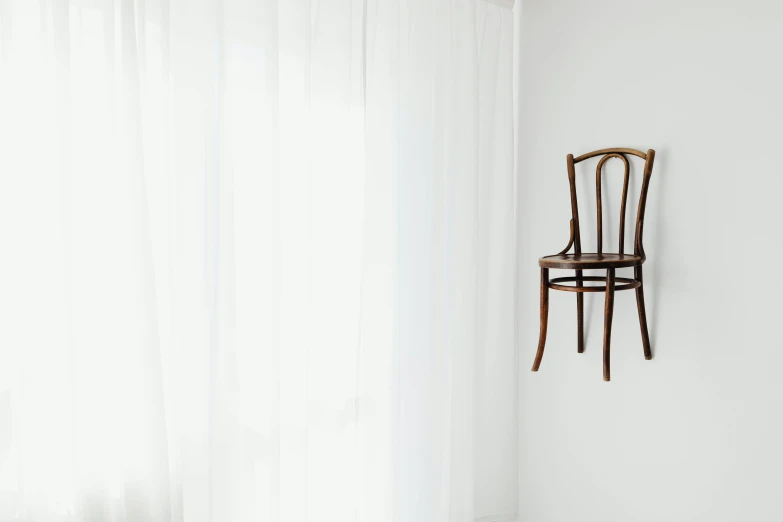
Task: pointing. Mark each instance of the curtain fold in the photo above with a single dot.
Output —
(258, 261)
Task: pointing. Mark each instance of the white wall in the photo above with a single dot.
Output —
(696, 434)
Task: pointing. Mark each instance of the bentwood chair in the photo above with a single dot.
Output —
(579, 261)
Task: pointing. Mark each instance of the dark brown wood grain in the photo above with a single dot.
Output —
(544, 316)
(570, 241)
(554, 284)
(589, 261)
(599, 204)
(580, 315)
(579, 261)
(642, 314)
(608, 313)
(610, 151)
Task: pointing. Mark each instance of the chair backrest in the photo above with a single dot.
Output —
(607, 154)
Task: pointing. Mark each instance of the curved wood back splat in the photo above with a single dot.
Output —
(599, 205)
(622, 155)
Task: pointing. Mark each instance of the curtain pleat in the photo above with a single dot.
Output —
(258, 261)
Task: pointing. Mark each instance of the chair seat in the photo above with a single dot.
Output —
(588, 261)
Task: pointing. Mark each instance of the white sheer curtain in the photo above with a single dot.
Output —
(256, 261)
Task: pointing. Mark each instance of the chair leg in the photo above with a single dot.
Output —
(580, 314)
(608, 311)
(642, 314)
(544, 317)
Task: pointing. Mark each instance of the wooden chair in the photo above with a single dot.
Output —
(579, 261)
